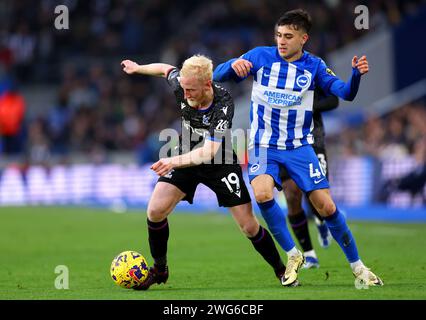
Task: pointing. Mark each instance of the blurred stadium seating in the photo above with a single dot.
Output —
(89, 132)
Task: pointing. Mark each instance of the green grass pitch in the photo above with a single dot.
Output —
(208, 258)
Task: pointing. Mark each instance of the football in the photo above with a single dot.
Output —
(129, 269)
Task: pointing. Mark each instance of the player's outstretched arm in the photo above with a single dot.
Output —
(193, 158)
(234, 69)
(153, 69)
(348, 90)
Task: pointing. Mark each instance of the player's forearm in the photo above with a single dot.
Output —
(197, 156)
(348, 90)
(224, 72)
(193, 158)
(154, 69)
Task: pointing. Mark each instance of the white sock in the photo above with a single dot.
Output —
(310, 253)
(293, 252)
(356, 264)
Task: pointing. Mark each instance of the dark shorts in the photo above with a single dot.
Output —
(224, 180)
(322, 157)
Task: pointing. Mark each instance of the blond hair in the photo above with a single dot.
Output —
(198, 66)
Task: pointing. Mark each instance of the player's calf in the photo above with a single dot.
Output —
(244, 217)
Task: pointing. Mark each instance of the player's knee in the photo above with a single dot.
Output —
(250, 228)
(330, 208)
(263, 195)
(325, 207)
(156, 213)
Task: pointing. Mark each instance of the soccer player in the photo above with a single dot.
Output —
(285, 77)
(207, 110)
(293, 195)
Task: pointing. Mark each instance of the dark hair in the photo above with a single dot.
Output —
(298, 18)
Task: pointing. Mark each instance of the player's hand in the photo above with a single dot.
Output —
(129, 66)
(162, 166)
(361, 64)
(242, 67)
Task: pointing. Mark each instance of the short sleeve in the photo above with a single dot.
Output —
(173, 81)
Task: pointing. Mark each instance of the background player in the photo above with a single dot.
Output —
(285, 77)
(295, 212)
(207, 110)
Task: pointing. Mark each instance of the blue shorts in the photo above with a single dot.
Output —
(302, 165)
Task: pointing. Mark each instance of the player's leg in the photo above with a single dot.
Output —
(324, 204)
(324, 235)
(231, 192)
(275, 219)
(264, 175)
(163, 200)
(259, 237)
(180, 184)
(340, 231)
(299, 222)
(304, 168)
(263, 188)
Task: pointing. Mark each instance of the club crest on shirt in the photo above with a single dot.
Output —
(206, 120)
(303, 81)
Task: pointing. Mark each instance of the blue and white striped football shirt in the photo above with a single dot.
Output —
(282, 97)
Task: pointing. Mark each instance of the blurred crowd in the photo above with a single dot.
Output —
(100, 109)
(396, 142)
(391, 136)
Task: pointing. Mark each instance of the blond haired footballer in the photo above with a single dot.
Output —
(207, 110)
